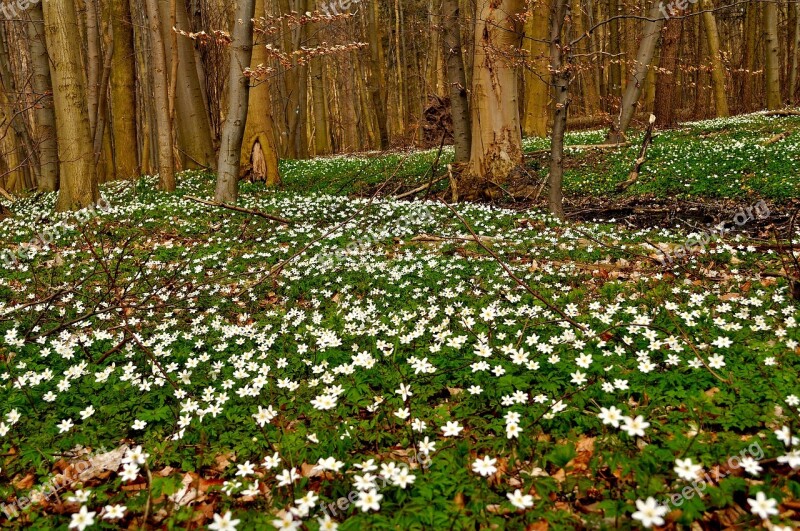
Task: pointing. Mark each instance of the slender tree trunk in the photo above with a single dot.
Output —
(76, 161)
(717, 68)
(123, 92)
(93, 61)
(561, 78)
(379, 81)
(241, 52)
(537, 75)
(795, 53)
(615, 49)
(166, 162)
(259, 147)
(456, 80)
(772, 67)
(749, 60)
(45, 114)
(664, 106)
(496, 133)
(633, 89)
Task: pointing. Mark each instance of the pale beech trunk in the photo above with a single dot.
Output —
(772, 67)
(496, 134)
(633, 89)
(44, 114)
(78, 177)
(259, 147)
(166, 163)
(717, 68)
(749, 60)
(123, 92)
(456, 80)
(230, 151)
(537, 73)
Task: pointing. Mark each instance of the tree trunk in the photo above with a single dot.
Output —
(749, 60)
(664, 106)
(192, 123)
(456, 80)
(379, 81)
(717, 68)
(259, 147)
(322, 135)
(772, 67)
(561, 78)
(241, 51)
(76, 161)
(615, 49)
(537, 88)
(123, 92)
(496, 134)
(633, 89)
(44, 114)
(795, 53)
(166, 162)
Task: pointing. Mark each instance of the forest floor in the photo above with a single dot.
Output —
(387, 364)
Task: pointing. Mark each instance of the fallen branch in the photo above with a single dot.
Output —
(777, 138)
(5, 194)
(421, 188)
(782, 113)
(641, 159)
(240, 209)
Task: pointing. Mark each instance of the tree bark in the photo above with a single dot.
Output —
(259, 147)
(241, 52)
(772, 67)
(76, 161)
(322, 135)
(795, 53)
(456, 80)
(123, 92)
(633, 89)
(561, 78)
(496, 133)
(44, 114)
(192, 124)
(379, 81)
(664, 106)
(166, 162)
(717, 68)
(537, 75)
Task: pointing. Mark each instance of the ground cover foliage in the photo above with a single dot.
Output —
(383, 364)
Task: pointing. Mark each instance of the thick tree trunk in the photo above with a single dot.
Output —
(496, 133)
(123, 92)
(241, 52)
(259, 147)
(773, 63)
(456, 80)
(633, 89)
(166, 162)
(44, 114)
(664, 106)
(561, 78)
(717, 68)
(537, 75)
(76, 161)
